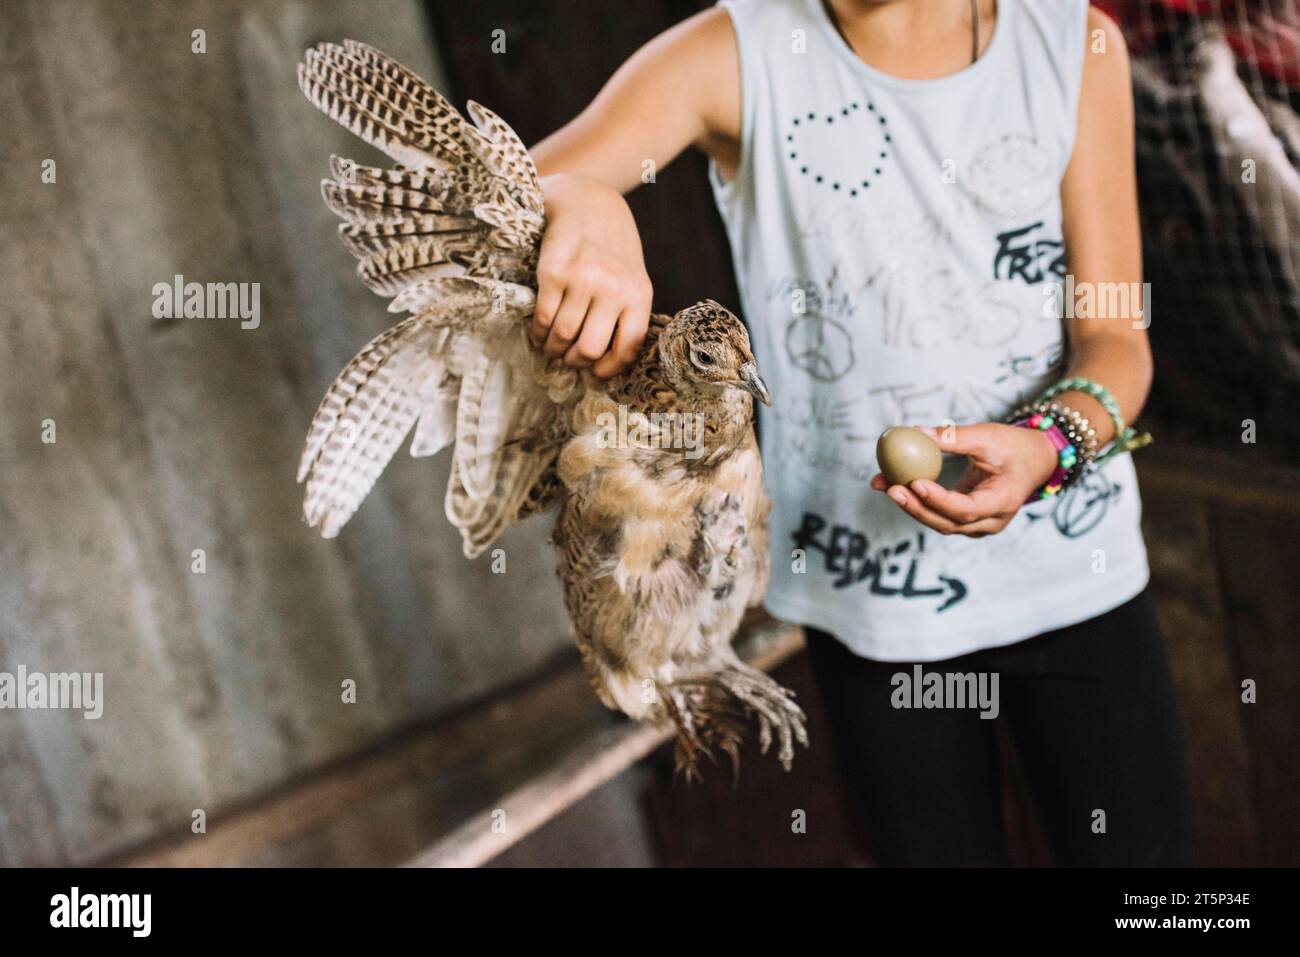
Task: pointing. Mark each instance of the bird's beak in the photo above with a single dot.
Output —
(753, 383)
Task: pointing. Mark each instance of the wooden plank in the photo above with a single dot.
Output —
(589, 764)
(1188, 595)
(1260, 564)
(542, 746)
(765, 816)
(423, 754)
(1244, 479)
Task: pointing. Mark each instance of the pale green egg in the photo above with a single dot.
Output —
(906, 454)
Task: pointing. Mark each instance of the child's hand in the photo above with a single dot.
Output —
(1007, 463)
(593, 295)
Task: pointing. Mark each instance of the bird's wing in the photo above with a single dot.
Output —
(452, 234)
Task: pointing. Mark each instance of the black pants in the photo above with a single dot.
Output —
(1091, 710)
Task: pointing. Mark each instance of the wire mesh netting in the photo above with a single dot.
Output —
(1216, 86)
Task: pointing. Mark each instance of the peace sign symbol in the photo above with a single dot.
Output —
(819, 346)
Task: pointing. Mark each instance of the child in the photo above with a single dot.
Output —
(900, 181)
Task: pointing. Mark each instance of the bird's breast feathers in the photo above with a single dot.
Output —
(674, 526)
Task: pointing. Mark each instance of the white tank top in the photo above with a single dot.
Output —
(895, 241)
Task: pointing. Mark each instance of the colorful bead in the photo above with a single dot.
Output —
(1067, 453)
(1127, 439)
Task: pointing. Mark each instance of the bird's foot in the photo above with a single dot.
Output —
(706, 721)
(712, 709)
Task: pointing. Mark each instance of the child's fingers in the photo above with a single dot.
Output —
(593, 339)
(568, 320)
(549, 294)
(910, 503)
(920, 510)
(960, 439)
(985, 526)
(982, 502)
(628, 337)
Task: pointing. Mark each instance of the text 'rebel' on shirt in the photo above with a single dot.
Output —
(897, 243)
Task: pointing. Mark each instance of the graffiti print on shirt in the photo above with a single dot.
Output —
(891, 571)
(819, 346)
(1082, 506)
(1012, 177)
(933, 309)
(816, 341)
(803, 449)
(820, 413)
(1032, 368)
(1020, 377)
(887, 228)
(1026, 255)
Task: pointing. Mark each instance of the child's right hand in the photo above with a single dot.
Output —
(593, 294)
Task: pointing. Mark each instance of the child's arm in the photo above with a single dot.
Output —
(1099, 204)
(681, 89)
(1103, 236)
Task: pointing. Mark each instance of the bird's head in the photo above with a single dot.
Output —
(705, 348)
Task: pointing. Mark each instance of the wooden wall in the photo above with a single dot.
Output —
(181, 435)
(1221, 536)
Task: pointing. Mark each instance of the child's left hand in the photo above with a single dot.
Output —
(1007, 464)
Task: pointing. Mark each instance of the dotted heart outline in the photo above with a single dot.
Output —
(811, 117)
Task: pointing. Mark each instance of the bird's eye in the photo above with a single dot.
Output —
(703, 358)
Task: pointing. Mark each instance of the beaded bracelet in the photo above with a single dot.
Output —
(1076, 427)
(1127, 439)
(1067, 456)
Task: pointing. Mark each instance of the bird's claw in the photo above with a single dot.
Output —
(712, 710)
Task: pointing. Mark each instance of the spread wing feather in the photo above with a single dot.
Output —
(451, 234)
(364, 417)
